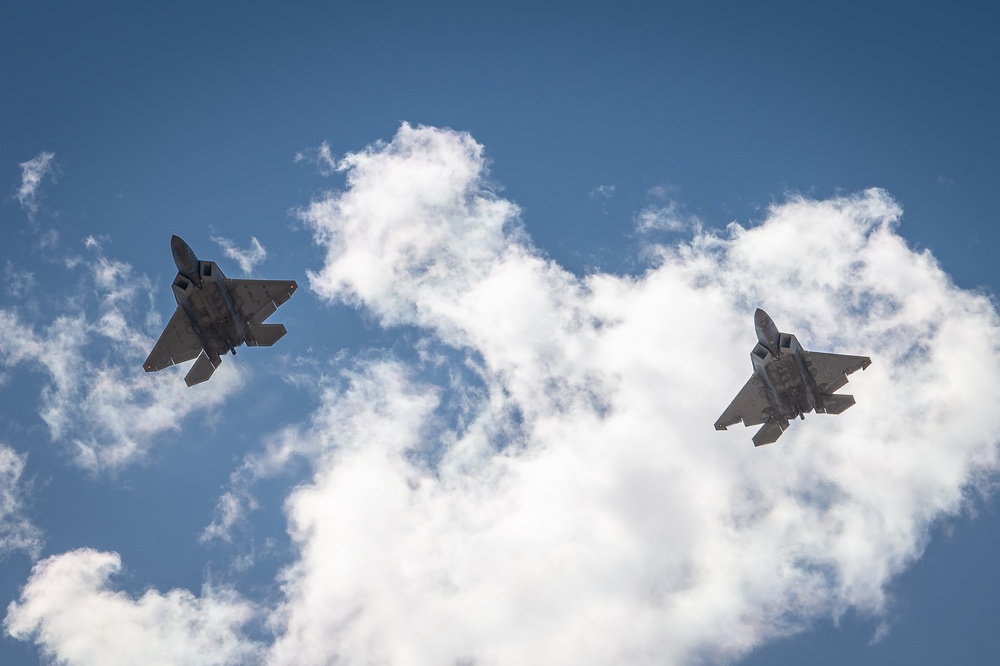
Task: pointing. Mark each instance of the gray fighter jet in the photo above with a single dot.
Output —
(215, 315)
(788, 381)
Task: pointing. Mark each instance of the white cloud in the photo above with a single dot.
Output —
(583, 510)
(668, 216)
(602, 192)
(33, 172)
(69, 608)
(92, 242)
(617, 525)
(19, 282)
(248, 258)
(98, 401)
(322, 157)
(16, 531)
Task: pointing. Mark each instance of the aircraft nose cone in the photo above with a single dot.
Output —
(767, 333)
(187, 263)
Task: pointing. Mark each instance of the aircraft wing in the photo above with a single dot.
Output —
(750, 406)
(258, 299)
(830, 370)
(177, 343)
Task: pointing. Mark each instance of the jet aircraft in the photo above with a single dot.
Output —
(787, 382)
(215, 315)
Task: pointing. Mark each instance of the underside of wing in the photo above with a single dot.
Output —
(177, 343)
(258, 299)
(750, 406)
(830, 370)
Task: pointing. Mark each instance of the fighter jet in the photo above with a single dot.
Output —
(215, 315)
(788, 381)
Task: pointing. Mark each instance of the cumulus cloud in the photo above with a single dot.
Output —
(33, 172)
(248, 258)
(613, 524)
(570, 502)
(97, 400)
(74, 614)
(16, 531)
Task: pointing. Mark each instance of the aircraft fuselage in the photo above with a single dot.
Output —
(201, 292)
(214, 315)
(779, 360)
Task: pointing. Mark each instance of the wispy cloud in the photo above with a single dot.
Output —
(665, 214)
(580, 508)
(16, 531)
(33, 172)
(18, 282)
(602, 192)
(98, 402)
(664, 218)
(322, 157)
(247, 258)
(601, 195)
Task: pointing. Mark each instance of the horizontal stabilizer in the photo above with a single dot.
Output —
(770, 432)
(265, 335)
(835, 404)
(201, 371)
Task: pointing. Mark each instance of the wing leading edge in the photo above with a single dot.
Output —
(750, 406)
(177, 343)
(830, 370)
(258, 299)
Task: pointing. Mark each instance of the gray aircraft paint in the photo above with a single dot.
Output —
(788, 382)
(215, 315)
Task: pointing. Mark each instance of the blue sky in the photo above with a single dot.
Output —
(523, 306)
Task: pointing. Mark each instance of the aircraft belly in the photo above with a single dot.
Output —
(213, 317)
(788, 383)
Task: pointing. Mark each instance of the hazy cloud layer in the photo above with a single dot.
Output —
(576, 505)
(32, 173)
(75, 615)
(248, 258)
(97, 401)
(16, 531)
